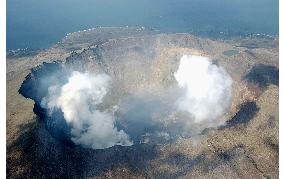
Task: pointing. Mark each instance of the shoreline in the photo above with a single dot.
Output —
(222, 36)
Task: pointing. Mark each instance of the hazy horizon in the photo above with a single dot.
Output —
(39, 24)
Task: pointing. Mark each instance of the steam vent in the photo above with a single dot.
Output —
(135, 103)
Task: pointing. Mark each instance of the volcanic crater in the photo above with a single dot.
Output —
(142, 85)
(142, 100)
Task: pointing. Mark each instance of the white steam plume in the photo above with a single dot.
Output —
(207, 88)
(78, 100)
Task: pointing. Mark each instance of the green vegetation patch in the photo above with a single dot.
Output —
(230, 53)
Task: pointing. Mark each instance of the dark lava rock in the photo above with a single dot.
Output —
(263, 75)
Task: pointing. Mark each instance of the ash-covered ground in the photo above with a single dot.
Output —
(142, 100)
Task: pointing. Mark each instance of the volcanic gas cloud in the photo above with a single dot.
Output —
(78, 100)
(207, 88)
(204, 95)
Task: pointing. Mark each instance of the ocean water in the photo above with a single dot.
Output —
(40, 23)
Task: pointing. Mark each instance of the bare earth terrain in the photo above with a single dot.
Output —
(247, 146)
